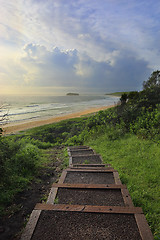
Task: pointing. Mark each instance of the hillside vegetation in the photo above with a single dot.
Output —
(127, 136)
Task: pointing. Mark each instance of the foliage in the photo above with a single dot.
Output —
(18, 163)
(1, 131)
(153, 81)
(58, 133)
(127, 136)
(123, 98)
(118, 94)
(137, 162)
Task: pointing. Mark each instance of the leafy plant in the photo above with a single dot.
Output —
(56, 200)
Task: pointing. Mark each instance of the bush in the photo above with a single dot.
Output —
(26, 159)
(18, 163)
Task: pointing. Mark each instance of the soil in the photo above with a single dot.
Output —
(17, 214)
(90, 165)
(90, 177)
(81, 152)
(100, 197)
(78, 147)
(88, 159)
(90, 226)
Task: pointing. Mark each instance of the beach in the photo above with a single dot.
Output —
(15, 128)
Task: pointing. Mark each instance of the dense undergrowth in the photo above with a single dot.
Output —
(127, 136)
(131, 147)
(19, 161)
(138, 164)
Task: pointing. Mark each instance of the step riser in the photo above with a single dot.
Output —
(89, 202)
(81, 152)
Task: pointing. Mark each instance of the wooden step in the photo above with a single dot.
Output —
(85, 159)
(90, 194)
(89, 202)
(80, 152)
(77, 147)
(89, 176)
(90, 166)
(86, 222)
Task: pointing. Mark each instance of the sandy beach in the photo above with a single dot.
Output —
(14, 128)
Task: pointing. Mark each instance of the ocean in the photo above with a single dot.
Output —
(28, 108)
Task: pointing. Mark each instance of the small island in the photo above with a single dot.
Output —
(72, 94)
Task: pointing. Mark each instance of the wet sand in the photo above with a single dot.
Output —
(14, 128)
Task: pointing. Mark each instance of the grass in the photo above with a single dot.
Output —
(108, 132)
(118, 94)
(24, 165)
(56, 200)
(138, 164)
(65, 159)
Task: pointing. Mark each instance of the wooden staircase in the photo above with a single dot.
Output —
(89, 202)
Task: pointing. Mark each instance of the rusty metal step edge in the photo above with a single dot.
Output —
(52, 195)
(116, 178)
(115, 174)
(126, 197)
(78, 147)
(63, 176)
(77, 165)
(124, 191)
(53, 191)
(144, 229)
(81, 149)
(72, 159)
(142, 224)
(89, 208)
(90, 170)
(87, 155)
(31, 225)
(89, 186)
(92, 164)
(72, 152)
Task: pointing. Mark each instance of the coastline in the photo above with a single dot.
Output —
(14, 128)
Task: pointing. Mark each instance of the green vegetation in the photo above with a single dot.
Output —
(23, 160)
(118, 94)
(127, 136)
(56, 200)
(138, 164)
(18, 163)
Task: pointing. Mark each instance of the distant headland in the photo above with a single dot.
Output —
(72, 94)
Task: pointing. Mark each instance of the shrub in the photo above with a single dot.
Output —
(18, 163)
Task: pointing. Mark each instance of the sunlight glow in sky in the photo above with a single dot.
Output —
(87, 46)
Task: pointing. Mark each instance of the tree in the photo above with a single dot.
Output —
(124, 98)
(151, 90)
(2, 118)
(153, 81)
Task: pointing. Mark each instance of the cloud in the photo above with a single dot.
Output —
(89, 44)
(49, 68)
(126, 72)
(99, 28)
(70, 68)
(38, 67)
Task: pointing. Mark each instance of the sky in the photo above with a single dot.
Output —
(86, 46)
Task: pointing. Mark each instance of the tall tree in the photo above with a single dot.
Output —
(151, 90)
(153, 81)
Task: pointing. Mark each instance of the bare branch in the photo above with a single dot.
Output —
(4, 116)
